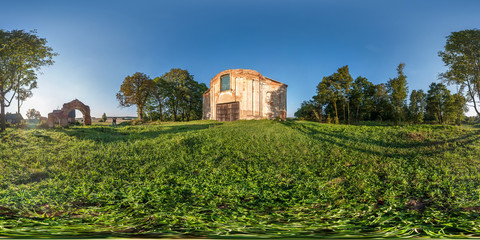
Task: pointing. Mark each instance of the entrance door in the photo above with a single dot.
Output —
(228, 111)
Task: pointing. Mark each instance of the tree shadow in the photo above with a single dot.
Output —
(414, 149)
(110, 134)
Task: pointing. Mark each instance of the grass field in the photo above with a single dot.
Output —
(245, 178)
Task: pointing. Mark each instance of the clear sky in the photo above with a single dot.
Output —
(296, 42)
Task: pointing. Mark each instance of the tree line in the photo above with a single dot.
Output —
(341, 99)
(174, 96)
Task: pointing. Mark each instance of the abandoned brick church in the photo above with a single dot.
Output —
(244, 94)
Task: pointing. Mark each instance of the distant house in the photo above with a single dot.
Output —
(14, 118)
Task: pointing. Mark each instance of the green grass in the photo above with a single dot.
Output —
(241, 179)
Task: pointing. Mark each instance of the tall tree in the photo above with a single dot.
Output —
(397, 89)
(23, 93)
(416, 108)
(359, 96)
(22, 54)
(439, 101)
(159, 96)
(135, 90)
(383, 107)
(176, 81)
(462, 57)
(328, 91)
(458, 108)
(344, 79)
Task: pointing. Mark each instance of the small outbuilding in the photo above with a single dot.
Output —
(244, 94)
(14, 118)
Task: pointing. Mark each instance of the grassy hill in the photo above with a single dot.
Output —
(242, 178)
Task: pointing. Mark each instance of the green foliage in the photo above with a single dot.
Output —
(416, 107)
(309, 110)
(442, 107)
(336, 89)
(104, 117)
(22, 54)
(370, 102)
(398, 91)
(462, 57)
(361, 97)
(383, 107)
(176, 96)
(135, 90)
(33, 114)
(237, 179)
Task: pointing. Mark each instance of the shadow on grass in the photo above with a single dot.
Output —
(109, 134)
(414, 148)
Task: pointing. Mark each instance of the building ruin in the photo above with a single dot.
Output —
(62, 116)
(242, 94)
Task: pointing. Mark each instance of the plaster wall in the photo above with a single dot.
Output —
(259, 97)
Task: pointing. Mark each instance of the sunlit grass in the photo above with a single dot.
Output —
(242, 178)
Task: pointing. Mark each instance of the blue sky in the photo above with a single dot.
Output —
(296, 42)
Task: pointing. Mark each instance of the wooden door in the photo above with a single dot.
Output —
(228, 111)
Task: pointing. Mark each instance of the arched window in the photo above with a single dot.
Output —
(225, 83)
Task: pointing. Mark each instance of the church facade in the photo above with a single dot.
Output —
(242, 94)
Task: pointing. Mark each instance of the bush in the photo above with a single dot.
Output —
(42, 124)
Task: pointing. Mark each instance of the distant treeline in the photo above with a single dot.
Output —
(340, 98)
(174, 96)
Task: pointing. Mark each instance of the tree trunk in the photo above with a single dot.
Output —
(357, 119)
(348, 111)
(160, 112)
(140, 114)
(344, 118)
(472, 95)
(174, 112)
(3, 118)
(189, 110)
(316, 115)
(336, 112)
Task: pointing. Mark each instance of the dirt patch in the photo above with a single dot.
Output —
(6, 211)
(417, 205)
(416, 136)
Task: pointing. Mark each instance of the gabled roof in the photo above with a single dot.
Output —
(13, 116)
(275, 81)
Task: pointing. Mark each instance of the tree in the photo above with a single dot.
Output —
(439, 103)
(360, 96)
(22, 54)
(33, 114)
(177, 90)
(344, 79)
(104, 117)
(458, 108)
(309, 110)
(22, 95)
(462, 57)
(383, 108)
(135, 90)
(328, 91)
(416, 108)
(397, 89)
(159, 96)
